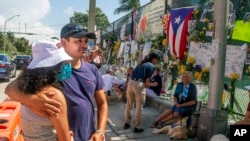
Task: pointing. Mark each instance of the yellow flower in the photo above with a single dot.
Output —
(116, 47)
(164, 42)
(196, 11)
(210, 27)
(202, 33)
(234, 76)
(190, 60)
(198, 76)
(206, 20)
(182, 69)
(205, 69)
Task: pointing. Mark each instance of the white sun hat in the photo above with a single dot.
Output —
(45, 53)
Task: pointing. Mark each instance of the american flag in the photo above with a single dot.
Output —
(177, 30)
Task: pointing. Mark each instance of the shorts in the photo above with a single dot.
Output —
(183, 111)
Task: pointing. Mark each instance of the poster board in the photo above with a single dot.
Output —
(147, 19)
(146, 49)
(235, 56)
(126, 53)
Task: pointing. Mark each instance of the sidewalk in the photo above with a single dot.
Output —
(115, 131)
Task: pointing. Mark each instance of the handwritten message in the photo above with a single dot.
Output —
(235, 56)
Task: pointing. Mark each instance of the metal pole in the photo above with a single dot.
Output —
(4, 38)
(218, 68)
(213, 120)
(4, 31)
(91, 20)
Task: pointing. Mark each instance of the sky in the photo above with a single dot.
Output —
(46, 17)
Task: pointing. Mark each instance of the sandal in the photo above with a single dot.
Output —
(154, 125)
(160, 125)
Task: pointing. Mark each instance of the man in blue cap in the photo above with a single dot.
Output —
(81, 90)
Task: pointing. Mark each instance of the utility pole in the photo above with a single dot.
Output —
(4, 31)
(213, 120)
(91, 20)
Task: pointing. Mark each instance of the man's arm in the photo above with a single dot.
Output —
(153, 84)
(102, 115)
(40, 102)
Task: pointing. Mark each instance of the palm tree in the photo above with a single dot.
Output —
(127, 6)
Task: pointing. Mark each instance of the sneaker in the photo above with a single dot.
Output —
(137, 130)
(126, 126)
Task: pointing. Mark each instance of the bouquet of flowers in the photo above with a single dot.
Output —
(202, 75)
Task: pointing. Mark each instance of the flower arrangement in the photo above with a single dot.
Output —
(202, 75)
(182, 69)
(231, 89)
(116, 47)
(157, 43)
(190, 63)
(173, 70)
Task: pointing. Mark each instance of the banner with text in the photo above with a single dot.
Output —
(147, 20)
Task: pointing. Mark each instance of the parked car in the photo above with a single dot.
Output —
(22, 61)
(7, 67)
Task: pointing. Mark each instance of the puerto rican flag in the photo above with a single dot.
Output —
(177, 30)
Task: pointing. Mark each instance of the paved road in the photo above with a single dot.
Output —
(3, 84)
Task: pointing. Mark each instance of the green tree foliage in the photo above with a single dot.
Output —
(14, 45)
(80, 18)
(10, 37)
(1, 41)
(101, 19)
(127, 6)
(22, 45)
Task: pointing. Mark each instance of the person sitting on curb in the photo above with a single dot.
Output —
(185, 99)
(155, 86)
